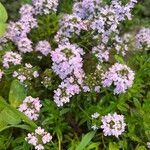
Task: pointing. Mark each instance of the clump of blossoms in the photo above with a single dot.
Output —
(45, 6)
(67, 60)
(119, 75)
(142, 38)
(68, 88)
(31, 107)
(101, 52)
(67, 63)
(113, 124)
(26, 73)
(27, 16)
(69, 25)
(121, 44)
(25, 45)
(38, 138)
(11, 58)
(43, 47)
(87, 9)
(102, 19)
(17, 33)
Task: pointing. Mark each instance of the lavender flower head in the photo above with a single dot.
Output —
(67, 60)
(26, 9)
(45, 6)
(113, 125)
(143, 38)
(43, 47)
(17, 30)
(11, 58)
(24, 45)
(87, 9)
(68, 88)
(120, 76)
(69, 25)
(101, 52)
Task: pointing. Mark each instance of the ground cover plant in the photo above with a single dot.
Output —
(74, 75)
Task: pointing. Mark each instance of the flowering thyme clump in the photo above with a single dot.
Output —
(31, 107)
(11, 58)
(113, 124)
(120, 76)
(38, 138)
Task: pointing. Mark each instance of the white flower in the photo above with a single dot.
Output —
(94, 127)
(95, 115)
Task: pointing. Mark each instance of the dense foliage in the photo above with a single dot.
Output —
(74, 75)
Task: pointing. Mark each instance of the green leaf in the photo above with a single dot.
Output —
(85, 140)
(25, 127)
(17, 93)
(119, 59)
(137, 103)
(9, 116)
(3, 14)
(3, 124)
(92, 146)
(140, 148)
(2, 28)
(113, 146)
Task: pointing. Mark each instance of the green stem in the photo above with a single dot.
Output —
(59, 142)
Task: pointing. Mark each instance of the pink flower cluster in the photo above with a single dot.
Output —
(113, 124)
(38, 138)
(120, 76)
(11, 58)
(31, 107)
